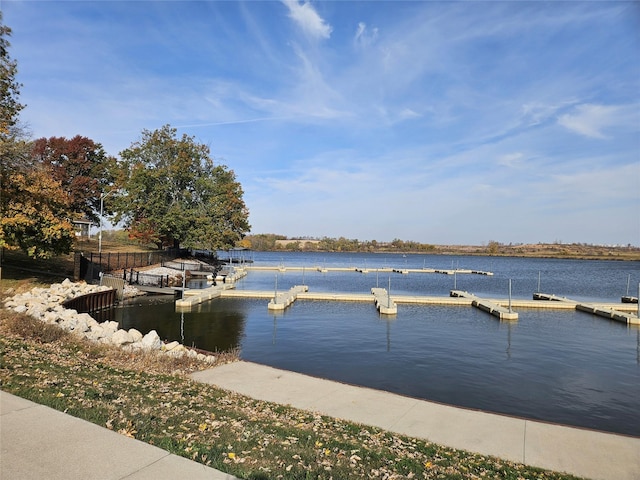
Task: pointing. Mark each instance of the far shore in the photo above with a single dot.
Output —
(554, 250)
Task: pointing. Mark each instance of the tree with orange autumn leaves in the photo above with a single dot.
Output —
(34, 211)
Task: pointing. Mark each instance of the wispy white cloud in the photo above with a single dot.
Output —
(594, 120)
(308, 19)
(511, 160)
(365, 36)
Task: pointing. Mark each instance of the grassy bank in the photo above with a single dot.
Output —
(150, 397)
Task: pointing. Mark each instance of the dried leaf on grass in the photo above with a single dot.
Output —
(150, 398)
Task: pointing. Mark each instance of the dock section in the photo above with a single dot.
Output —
(403, 271)
(599, 310)
(282, 300)
(191, 297)
(236, 275)
(383, 301)
(487, 305)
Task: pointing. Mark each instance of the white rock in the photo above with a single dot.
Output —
(151, 341)
(46, 304)
(87, 318)
(95, 333)
(121, 337)
(69, 323)
(170, 346)
(50, 317)
(81, 325)
(110, 326)
(135, 335)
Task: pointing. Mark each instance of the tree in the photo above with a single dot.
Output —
(172, 194)
(81, 166)
(493, 247)
(35, 218)
(33, 208)
(9, 88)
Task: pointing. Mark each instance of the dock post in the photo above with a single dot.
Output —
(628, 280)
(275, 292)
(638, 312)
(510, 296)
(184, 280)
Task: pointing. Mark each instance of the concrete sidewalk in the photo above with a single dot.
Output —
(37, 442)
(581, 452)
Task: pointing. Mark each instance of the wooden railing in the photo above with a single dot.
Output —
(92, 302)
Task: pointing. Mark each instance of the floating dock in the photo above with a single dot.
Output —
(487, 305)
(195, 296)
(388, 304)
(282, 300)
(383, 301)
(613, 313)
(403, 271)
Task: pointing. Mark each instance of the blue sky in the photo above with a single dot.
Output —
(438, 122)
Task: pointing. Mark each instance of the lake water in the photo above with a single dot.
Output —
(561, 366)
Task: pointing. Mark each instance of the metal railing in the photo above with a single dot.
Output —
(88, 266)
(134, 277)
(92, 302)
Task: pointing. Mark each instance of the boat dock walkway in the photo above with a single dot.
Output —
(487, 305)
(282, 300)
(404, 271)
(195, 296)
(612, 312)
(457, 298)
(383, 301)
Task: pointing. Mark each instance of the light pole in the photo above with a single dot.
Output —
(102, 197)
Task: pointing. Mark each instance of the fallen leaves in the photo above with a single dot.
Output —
(246, 436)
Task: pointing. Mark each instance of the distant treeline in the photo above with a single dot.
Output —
(270, 242)
(273, 242)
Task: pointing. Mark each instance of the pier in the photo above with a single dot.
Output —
(487, 305)
(402, 271)
(456, 298)
(612, 313)
(383, 301)
(388, 304)
(282, 300)
(192, 296)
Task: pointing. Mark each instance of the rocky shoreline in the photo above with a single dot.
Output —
(45, 304)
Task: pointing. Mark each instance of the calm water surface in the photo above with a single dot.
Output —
(561, 366)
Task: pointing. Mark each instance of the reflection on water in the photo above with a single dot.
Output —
(209, 327)
(560, 366)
